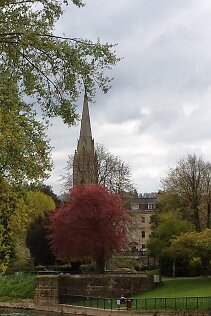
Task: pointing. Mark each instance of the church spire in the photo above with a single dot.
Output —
(85, 122)
(85, 139)
(85, 160)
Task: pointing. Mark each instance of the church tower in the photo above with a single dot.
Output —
(85, 159)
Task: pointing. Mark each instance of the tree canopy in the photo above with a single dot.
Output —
(37, 241)
(169, 225)
(24, 147)
(30, 207)
(186, 195)
(92, 225)
(8, 201)
(18, 209)
(24, 158)
(194, 244)
(51, 68)
(190, 181)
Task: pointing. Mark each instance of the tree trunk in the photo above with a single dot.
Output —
(174, 268)
(197, 219)
(76, 266)
(100, 264)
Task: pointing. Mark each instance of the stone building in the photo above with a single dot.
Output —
(141, 208)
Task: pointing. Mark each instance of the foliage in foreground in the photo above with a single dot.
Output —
(17, 286)
(53, 69)
(24, 159)
(25, 149)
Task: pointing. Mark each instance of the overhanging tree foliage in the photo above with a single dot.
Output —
(36, 62)
(92, 225)
(50, 67)
(24, 147)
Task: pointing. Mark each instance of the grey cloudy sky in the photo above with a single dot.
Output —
(158, 109)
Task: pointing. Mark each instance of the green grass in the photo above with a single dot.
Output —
(183, 287)
(177, 294)
(16, 286)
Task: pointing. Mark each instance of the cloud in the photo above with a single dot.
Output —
(158, 109)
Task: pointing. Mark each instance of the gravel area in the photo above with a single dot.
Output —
(23, 304)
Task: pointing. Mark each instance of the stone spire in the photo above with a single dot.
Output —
(85, 122)
(85, 139)
(85, 159)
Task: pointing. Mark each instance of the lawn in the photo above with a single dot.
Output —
(16, 286)
(181, 287)
(172, 294)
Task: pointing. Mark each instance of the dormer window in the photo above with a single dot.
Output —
(151, 206)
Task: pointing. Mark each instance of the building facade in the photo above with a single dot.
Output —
(141, 208)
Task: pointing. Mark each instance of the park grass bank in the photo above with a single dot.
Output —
(17, 287)
(180, 287)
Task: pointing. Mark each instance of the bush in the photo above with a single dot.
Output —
(68, 268)
(37, 241)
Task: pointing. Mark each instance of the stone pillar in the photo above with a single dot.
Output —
(47, 291)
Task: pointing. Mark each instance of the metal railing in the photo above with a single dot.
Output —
(139, 304)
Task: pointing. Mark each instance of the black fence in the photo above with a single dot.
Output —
(138, 304)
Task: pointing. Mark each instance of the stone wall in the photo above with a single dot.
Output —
(49, 291)
(105, 285)
(51, 288)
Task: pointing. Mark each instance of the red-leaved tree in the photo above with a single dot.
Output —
(92, 225)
